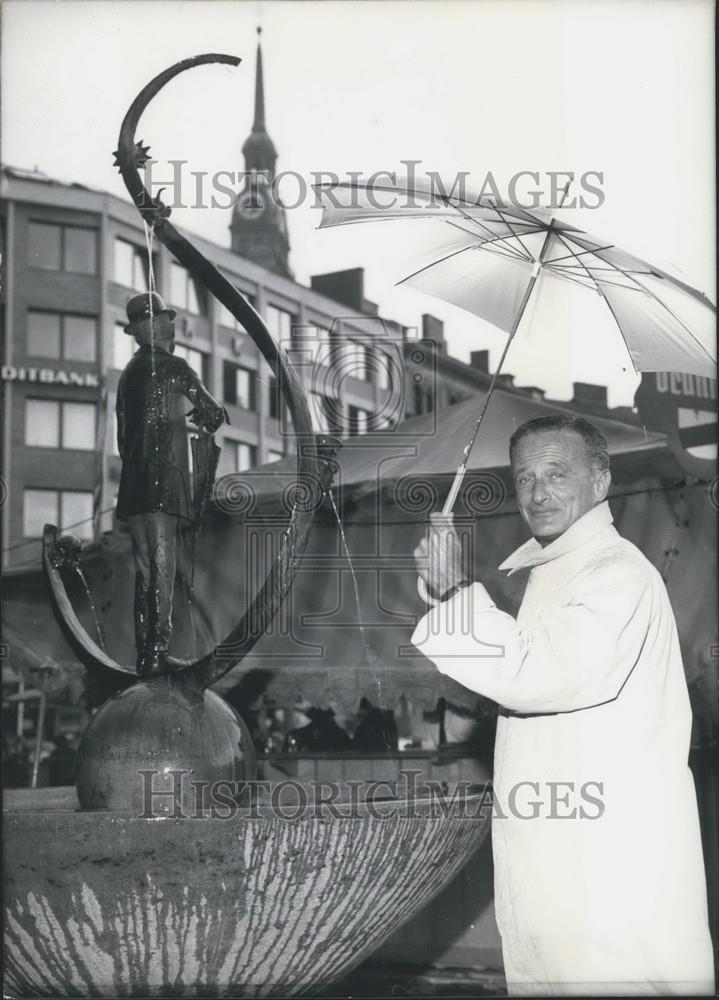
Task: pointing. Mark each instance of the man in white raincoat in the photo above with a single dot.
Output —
(599, 876)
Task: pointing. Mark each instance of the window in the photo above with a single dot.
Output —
(130, 266)
(71, 508)
(274, 398)
(78, 426)
(322, 334)
(315, 341)
(63, 337)
(223, 316)
(45, 246)
(355, 361)
(241, 456)
(325, 346)
(238, 386)
(123, 347)
(184, 291)
(80, 250)
(194, 358)
(50, 423)
(62, 248)
(273, 455)
(423, 400)
(382, 367)
(76, 512)
(79, 337)
(279, 323)
(42, 423)
(40, 507)
(44, 334)
(358, 420)
(277, 407)
(324, 412)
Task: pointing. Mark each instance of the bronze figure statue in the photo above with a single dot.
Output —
(155, 493)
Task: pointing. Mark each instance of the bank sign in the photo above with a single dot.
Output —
(50, 376)
(685, 408)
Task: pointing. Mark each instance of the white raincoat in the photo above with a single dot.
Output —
(599, 877)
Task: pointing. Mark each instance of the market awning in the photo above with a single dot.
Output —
(314, 649)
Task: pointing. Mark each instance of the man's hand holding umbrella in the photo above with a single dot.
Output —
(439, 560)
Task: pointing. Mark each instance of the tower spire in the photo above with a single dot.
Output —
(259, 123)
(259, 226)
(259, 150)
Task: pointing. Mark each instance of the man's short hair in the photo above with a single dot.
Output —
(593, 438)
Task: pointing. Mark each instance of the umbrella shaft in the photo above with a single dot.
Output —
(459, 474)
(454, 491)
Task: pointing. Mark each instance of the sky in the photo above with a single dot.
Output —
(621, 87)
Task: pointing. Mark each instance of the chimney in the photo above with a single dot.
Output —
(589, 394)
(346, 287)
(479, 360)
(505, 379)
(433, 329)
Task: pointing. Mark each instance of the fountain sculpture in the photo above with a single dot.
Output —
(150, 888)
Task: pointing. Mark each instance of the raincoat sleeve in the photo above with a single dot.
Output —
(210, 413)
(575, 655)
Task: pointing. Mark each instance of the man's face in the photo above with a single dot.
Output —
(555, 482)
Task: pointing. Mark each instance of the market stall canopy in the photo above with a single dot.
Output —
(431, 445)
(314, 650)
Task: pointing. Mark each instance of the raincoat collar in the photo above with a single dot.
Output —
(583, 530)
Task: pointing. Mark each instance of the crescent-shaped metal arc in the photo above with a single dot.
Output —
(85, 648)
(267, 601)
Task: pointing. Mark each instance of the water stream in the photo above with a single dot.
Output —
(88, 593)
(370, 656)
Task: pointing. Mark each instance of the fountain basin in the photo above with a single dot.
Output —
(256, 905)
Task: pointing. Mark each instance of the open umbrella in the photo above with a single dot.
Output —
(491, 258)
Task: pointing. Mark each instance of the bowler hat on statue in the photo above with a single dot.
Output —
(143, 306)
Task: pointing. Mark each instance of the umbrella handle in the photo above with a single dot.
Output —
(446, 510)
(456, 487)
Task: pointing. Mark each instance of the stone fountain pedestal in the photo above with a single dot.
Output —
(108, 904)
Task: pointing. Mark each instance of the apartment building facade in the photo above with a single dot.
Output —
(73, 259)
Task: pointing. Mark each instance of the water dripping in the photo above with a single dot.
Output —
(370, 656)
(93, 609)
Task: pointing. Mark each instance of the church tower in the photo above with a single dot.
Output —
(259, 226)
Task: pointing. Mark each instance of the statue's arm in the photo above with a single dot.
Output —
(207, 411)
